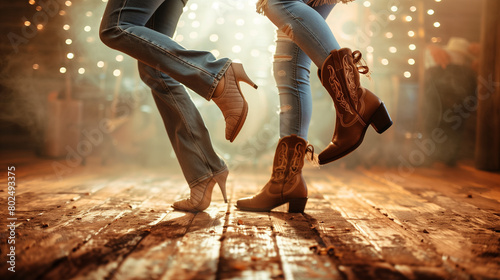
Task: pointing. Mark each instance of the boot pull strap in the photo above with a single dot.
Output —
(311, 157)
(360, 62)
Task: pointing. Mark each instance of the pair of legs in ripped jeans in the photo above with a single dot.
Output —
(143, 29)
(302, 36)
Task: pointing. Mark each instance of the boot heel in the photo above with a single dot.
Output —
(381, 120)
(221, 181)
(240, 74)
(297, 205)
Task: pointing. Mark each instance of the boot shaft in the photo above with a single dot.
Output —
(289, 158)
(340, 76)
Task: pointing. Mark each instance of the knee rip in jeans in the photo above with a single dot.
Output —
(287, 29)
(282, 58)
(285, 108)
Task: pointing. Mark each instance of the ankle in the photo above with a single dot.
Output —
(220, 88)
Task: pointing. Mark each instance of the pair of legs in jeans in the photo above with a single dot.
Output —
(302, 36)
(143, 29)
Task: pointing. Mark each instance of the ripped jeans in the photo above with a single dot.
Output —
(144, 30)
(302, 36)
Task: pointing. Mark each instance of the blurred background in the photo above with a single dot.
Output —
(65, 95)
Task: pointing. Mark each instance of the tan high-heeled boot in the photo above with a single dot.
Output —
(231, 102)
(287, 184)
(201, 194)
(356, 107)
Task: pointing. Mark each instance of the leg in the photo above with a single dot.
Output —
(291, 72)
(123, 28)
(185, 127)
(356, 107)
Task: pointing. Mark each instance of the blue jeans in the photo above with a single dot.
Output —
(143, 29)
(302, 36)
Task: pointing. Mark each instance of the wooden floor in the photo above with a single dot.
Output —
(116, 223)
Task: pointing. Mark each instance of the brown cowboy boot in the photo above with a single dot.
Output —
(356, 106)
(286, 184)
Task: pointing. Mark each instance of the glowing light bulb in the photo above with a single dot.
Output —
(413, 9)
(62, 70)
(407, 74)
(68, 3)
(213, 38)
(369, 49)
(100, 64)
(408, 18)
(81, 71)
(36, 66)
(430, 12)
(216, 53)
(392, 17)
(236, 49)
(437, 24)
(367, 4)
(117, 73)
(384, 61)
(66, 27)
(87, 28)
(389, 35)
(119, 58)
(394, 8)
(69, 41)
(412, 47)
(70, 55)
(411, 61)
(411, 33)
(393, 49)
(27, 23)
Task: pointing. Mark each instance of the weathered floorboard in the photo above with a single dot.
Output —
(116, 223)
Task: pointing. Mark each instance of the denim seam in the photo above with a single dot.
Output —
(165, 51)
(295, 59)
